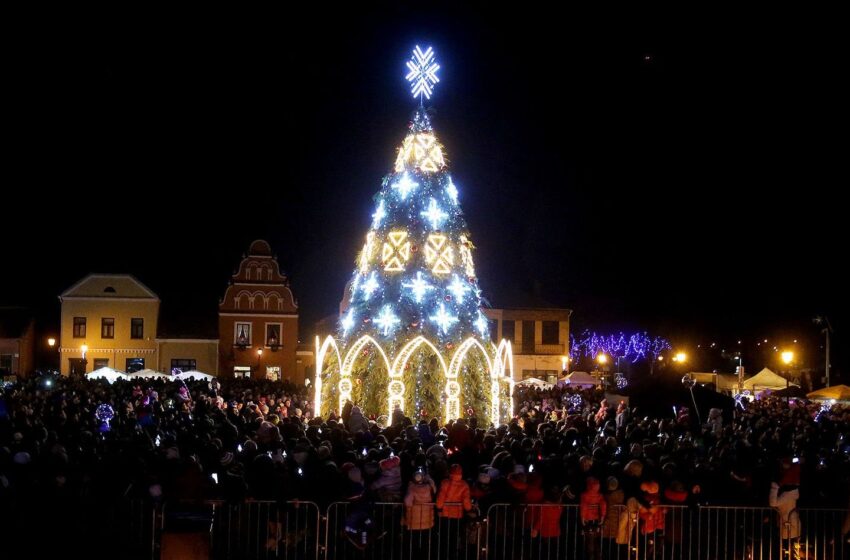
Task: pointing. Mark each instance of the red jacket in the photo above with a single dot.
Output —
(593, 505)
(453, 498)
(547, 523)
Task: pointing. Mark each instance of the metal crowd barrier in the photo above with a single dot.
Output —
(297, 530)
(392, 538)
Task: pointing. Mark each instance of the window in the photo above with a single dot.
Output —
(100, 362)
(273, 373)
(494, 330)
(135, 364)
(107, 327)
(242, 334)
(550, 332)
(79, 327)
(179, 365)
(6, 363)
(242, 371)
(273, 334)
(549, 375)
(508, 329)
(528, 337)
(137, 327)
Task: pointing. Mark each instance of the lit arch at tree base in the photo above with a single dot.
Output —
(339, 372)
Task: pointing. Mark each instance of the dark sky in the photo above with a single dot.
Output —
(680, 178)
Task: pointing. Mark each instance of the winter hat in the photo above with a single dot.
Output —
(298, 412)
(612, 483)
(650, 487)
(354, 475)
(323, 452)
(389, 463)
(21, 458)
(226, 459)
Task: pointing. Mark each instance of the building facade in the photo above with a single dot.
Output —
(108, 320)
(177, 355)
(17, 342)
(258, 321)
(540, 339)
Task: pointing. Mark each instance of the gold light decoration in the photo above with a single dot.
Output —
(439, 254)
(396, 251)
(366, 253)
(420, 151)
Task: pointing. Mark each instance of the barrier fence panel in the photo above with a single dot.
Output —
(138, 529)
(263, 529)
(383, 531)
(823, 534)
(550, 531)
(746, 533)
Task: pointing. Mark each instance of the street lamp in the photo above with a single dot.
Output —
(83, 350)
(602, 359)
(259, 357)
(680, 357)
(51, 342)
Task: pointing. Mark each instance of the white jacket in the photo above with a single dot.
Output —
(786, 506)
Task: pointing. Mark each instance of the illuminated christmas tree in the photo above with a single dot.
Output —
(412, 335)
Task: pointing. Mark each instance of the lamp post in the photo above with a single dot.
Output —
(826, 330)
(83, 350)
(259, 358)
(787, 359)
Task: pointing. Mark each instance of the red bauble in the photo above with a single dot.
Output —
(448, 298)
(423, 413)
(414, 248)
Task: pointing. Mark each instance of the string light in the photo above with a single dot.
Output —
(369, 286)
(380, 214)
(418, 287)
(404, 186)
(451, 189)
(386, 320)
(481, 323)
(458, 288)
(434, 215)
(347, 322)
(444, 319)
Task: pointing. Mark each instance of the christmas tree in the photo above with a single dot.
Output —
(412, 333)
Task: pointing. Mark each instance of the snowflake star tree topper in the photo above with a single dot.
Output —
(423, 73)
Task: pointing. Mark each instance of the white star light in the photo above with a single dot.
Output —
(405, 185)
(434, 214)
(452, 190)
(347, 322)
(458, 287)
(418, 287)
(379, 215)
(423, 72)
(481, 323)
(386, 320)
(443, 319)
(370, 286)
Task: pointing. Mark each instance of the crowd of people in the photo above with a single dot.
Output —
(238, 439)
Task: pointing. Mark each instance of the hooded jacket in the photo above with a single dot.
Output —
(454, 498)
(357, 422)
(419, 505)
(593, 505)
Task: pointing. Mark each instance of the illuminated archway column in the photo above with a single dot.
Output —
(345, 385)
(321, 350)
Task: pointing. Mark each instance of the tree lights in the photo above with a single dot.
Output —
(414, 302)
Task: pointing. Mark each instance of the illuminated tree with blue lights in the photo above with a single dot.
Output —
(412, 335)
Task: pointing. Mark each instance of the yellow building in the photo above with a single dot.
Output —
(178, 355)
(108, 320)
(540, 338)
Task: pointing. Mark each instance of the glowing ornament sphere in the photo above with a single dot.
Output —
(104, 414)
(575, 401)
(621, 381)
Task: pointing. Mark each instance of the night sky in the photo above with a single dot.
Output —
(675, 178)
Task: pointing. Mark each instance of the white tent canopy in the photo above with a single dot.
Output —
(107, 373)
(199, 376)
(582, 378)
(148, 374)
(534, 382)
(766, 380)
